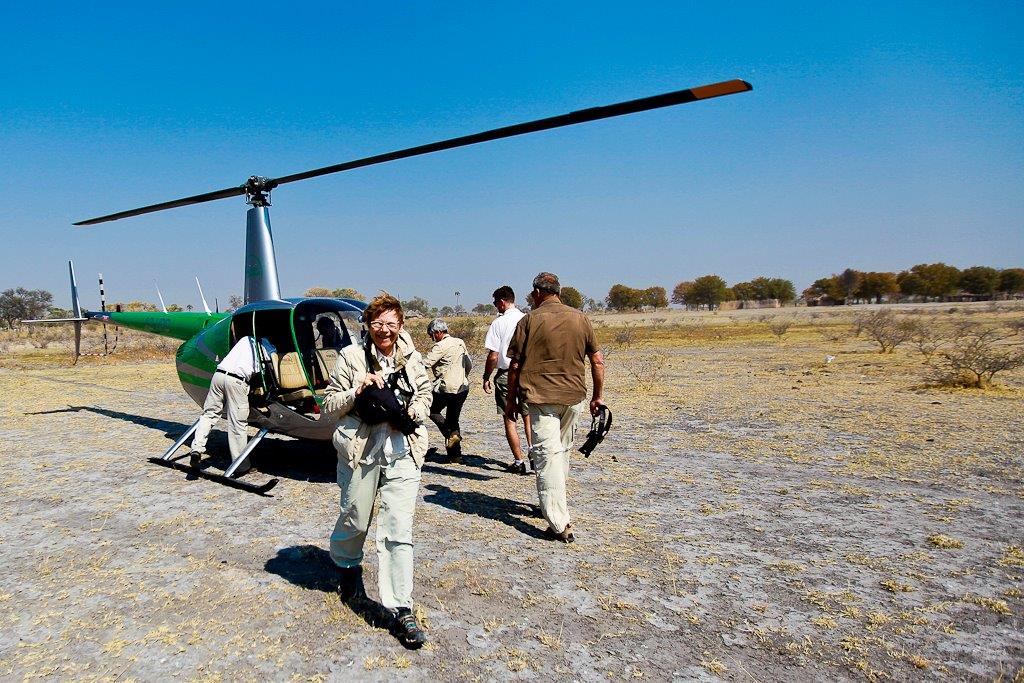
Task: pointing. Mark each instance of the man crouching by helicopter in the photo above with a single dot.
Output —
(380, 393)
(229, 395)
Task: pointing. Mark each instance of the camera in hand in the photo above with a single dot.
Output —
(380, 404)
(599, 428)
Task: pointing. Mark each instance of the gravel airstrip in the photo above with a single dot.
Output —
(758, 513)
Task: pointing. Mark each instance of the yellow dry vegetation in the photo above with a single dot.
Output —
(803, 494)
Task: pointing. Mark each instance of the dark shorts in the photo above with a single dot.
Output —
(501, 391)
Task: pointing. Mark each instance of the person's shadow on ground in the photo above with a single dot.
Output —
(502, 510)
(312, 568)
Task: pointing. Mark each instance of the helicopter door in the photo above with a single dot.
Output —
(330, 336)
(284, 376)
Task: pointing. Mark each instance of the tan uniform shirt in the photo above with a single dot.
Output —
(447, 362)
(551, 343)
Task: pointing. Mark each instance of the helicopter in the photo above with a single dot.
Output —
(309, 333)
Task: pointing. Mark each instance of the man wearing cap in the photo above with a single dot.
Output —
(499, 334)
(547, 370)
(449, 364)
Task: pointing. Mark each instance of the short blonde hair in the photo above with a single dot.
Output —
(382, 303)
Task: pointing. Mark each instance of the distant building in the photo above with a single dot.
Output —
(748, 304)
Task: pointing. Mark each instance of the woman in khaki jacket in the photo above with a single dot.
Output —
(374, 457)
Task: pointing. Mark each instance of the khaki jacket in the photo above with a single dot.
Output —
(448, 361)
(352, 434)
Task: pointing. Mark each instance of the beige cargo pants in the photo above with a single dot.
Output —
(399, 485)
(234, 394)
(553, 430)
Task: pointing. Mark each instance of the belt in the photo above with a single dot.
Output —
(231, 374)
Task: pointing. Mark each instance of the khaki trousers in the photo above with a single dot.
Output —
(399, 485)
(234, 394)
(553, 430)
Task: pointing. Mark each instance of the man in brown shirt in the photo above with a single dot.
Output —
(547, 372)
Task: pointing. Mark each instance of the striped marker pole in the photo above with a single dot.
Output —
(103, 307)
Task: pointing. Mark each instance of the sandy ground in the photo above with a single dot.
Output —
(765, 516)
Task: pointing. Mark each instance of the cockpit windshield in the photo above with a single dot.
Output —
(308, 338)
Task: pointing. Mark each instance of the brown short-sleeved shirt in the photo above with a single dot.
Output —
(551, 343)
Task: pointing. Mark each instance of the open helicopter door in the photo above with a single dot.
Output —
(284, 378)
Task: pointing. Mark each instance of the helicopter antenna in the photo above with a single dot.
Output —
(257, 188)
(160, 296)
(206, 306)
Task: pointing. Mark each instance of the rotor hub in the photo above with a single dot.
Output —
(257, 190)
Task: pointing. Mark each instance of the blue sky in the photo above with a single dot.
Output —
(878, 135)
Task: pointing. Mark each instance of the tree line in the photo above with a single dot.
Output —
(925, 281)
(922, 282)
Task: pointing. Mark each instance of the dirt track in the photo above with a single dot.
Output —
(767, 517)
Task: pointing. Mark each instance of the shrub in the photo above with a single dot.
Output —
(884, 328)
(927, 337)
(468, 331)
(975, 354)
(628, 335)
(779, 326)
(647, 370)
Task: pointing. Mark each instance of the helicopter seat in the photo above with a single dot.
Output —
(290, 378)
(325, 360)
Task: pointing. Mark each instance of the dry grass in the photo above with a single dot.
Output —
(773, 511)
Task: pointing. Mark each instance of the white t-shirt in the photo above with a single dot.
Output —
(241, 359)
(499, 334)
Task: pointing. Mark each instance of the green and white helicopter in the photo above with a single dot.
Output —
(307, 332)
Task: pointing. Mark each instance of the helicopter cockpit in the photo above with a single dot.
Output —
(301, 340)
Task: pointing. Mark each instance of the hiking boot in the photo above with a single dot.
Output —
(453, 440)
(194, 457)
(563, 536)
(517, 467)
(243, 467)
(408, 630)
(350, 582)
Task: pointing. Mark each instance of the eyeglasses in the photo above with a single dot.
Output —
(379, 325)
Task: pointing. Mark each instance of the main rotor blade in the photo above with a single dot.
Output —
(703, 92)
(197, 199)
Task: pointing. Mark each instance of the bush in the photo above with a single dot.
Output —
(647, 370)
(468, 331)
(885, 328)
(628, 335)
(779, 326)
(927, 337)
(975, 354)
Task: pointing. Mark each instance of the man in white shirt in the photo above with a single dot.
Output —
(229, 394)
(498, 336)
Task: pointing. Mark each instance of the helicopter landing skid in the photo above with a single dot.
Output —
(260, 489)
(227, 479)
